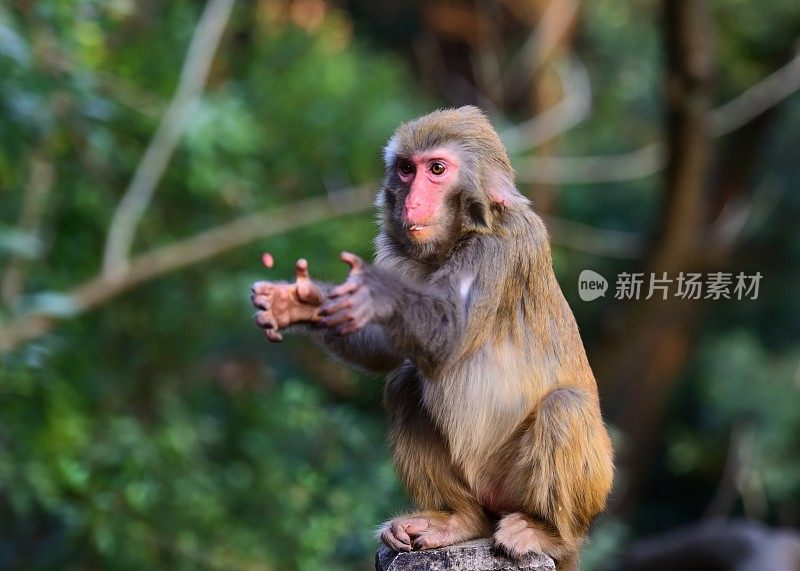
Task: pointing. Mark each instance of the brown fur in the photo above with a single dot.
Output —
(516, 412)
(493, 409)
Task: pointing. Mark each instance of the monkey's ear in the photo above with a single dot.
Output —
(502, 192)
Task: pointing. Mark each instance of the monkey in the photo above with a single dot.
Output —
(494, 416)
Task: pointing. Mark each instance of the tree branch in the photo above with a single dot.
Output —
(155, 263)
(210, 243)
(740, 218)
(34, 201)
(540, 45)
(728, 490)
(571, 111)
(593, 240)
(154, 162)
(650, 159)
(764, 95)
(640, 163)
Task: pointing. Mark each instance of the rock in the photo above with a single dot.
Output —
(478, 555)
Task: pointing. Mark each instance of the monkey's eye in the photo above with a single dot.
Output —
(437, 168)
(406, 168)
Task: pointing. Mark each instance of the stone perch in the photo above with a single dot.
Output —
(478, 555)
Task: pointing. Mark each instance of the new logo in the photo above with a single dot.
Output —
(591, 285)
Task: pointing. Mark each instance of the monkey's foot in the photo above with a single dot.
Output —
(518, 535)
(422, 531)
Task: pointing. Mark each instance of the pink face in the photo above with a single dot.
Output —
(430, 174)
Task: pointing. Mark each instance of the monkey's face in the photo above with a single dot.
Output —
(426, 181)
(447, 175)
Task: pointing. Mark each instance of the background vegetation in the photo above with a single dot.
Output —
(146, 423)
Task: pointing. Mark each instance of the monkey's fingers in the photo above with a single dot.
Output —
(262, 288)
(336, 305)
(359, 317)
(396, 535)
(307, 291)
(393, 542)
(337, 318)
(346, 288)
(266, 259)
(273, 336)
(301, 270)
(399, 532)
(415, 525)
(265, 320)
(356, 264)
(260, 302)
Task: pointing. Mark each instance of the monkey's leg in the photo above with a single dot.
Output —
(449, 511)
(560, 463)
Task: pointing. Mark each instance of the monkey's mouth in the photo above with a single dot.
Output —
(420, 232)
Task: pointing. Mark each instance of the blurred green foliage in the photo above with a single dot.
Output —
(161, 431)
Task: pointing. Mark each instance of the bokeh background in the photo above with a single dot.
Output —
(151, 151)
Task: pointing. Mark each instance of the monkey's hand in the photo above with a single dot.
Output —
(358, 301)
(281, 304)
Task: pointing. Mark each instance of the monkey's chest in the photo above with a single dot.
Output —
(476, 410)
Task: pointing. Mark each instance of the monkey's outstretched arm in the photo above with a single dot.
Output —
(423, 323)
(368, 348)
(295, 307)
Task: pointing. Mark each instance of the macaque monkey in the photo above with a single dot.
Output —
(495, 422)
